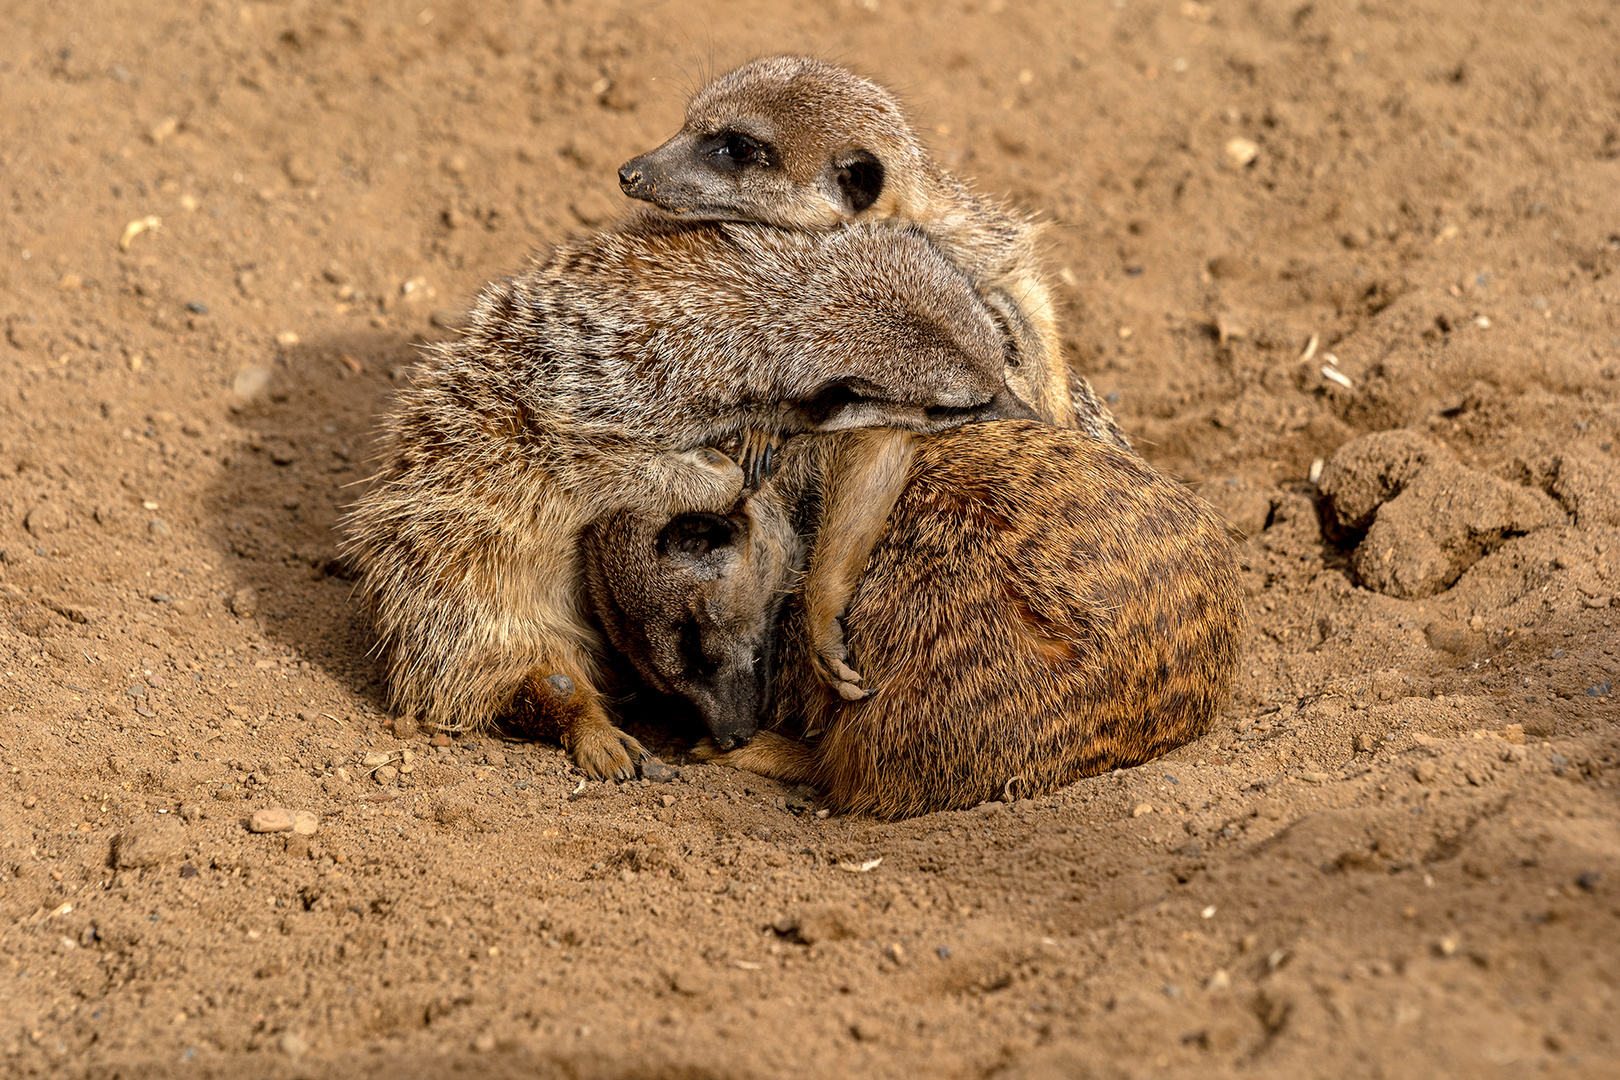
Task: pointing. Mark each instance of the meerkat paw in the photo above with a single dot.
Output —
(702, 479)
(758, 450)
(844, 679)
(606, 753)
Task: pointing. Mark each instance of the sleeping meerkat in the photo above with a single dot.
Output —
(1042, 607)
(670, 596)
(599, 381)
(796, 142)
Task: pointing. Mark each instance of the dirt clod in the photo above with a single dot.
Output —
(149, 843)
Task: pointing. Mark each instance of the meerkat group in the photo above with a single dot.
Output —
(599, 381)
(1041, 607)
(552, 486)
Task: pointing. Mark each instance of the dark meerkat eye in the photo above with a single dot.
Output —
(735, 150)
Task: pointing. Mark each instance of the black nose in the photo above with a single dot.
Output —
(629, 175)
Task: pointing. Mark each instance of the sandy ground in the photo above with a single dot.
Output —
(1398, 855)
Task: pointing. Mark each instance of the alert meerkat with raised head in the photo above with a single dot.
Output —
(797, 142)
(599, 381)
(1041, 607)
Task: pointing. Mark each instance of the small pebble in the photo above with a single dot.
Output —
(250, 382)
(271, 819)
(657, 772)
(439, 740)
(495, 758)
(1141, 808)
(386, 775)
(1589, 880)
(1241, 152)
(305, 822)
(1424, 771)
(376, 758)
(667, 800)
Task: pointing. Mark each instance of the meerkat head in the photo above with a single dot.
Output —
(694, 602)
(790, 141)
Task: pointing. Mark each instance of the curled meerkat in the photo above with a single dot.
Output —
(599, 381)
(646, 574)
(689, 630)
(797, 142)
(1042, 607)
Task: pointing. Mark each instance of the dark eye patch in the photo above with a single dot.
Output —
(735, 150)
(692, 654)
(695, 535)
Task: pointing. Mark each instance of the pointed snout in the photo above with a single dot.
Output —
(634, 178)
(730, 702)
(731, 717)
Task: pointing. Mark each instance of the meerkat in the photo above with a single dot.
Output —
(689, 630)
(599, 381)
(1041, 607)
(797, 142)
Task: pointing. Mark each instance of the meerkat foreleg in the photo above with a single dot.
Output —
(569, 706)
(867, 472)
(702, 480)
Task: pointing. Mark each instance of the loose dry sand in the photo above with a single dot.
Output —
(1280, 228)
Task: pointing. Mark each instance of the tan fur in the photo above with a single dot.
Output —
(1042, 607)
(796, 142)
(597, 382)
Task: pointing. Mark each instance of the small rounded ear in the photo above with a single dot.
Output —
(860, 179)
(694, 535)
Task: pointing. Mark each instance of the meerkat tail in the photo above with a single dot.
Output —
(872, 468)
(768, 754)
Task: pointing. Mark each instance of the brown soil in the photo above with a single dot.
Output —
(1399, 855)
